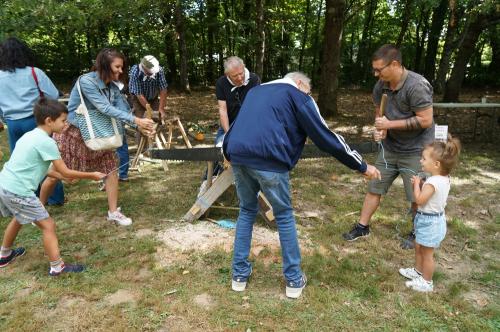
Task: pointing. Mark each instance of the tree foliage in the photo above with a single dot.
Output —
(192, 37)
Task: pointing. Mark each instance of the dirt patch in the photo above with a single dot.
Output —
(143, 274)
(204, 237)
(204, 301)
(121, 296)
(177, 324)
(23, 293)
(67, 302)
(144, 232)
(478, 299)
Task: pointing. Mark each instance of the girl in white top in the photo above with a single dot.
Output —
(438, 159)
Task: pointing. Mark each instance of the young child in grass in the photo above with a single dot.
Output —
(22, 174)
(438, 159)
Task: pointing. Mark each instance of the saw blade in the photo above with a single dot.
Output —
(215, 154)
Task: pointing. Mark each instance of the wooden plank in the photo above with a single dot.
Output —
(186, 139)
(203, 203)
(265, 208)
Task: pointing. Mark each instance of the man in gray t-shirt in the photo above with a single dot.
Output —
(404, 129)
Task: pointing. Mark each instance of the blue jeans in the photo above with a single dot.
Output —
(124, 157)
(219, 136)
(218, 167)
(16, 129)
(276, 189)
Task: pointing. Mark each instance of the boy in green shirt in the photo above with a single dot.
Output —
(22, 174)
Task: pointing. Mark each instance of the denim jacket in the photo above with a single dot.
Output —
(99, 96)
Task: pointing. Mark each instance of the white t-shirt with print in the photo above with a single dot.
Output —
(437, 202)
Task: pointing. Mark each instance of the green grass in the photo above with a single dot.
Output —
(352, 286)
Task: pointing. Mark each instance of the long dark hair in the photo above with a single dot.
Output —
(15, 54)
(103, 63)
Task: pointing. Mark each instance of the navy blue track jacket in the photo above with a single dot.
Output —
(272, 126)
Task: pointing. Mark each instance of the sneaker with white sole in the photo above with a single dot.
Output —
(17, 252)
(238, 284)
(409, 273)
(420, 284)
(294, 289)
(119, 218)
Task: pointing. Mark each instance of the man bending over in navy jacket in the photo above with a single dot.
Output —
(281, 114)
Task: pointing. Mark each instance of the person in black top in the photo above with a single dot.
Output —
(231, 90)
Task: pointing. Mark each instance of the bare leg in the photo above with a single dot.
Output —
(112, 191)
(418, 257)
(47, 189)
(11, 233)
(370, 205)
(50, 242)
(427, 255)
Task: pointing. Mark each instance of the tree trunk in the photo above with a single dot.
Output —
(247, 33)
(212, 32)
(478, 24)
(405, 20)
(334, 22)
(449, 45)
(432, 43)
(172, 77)
(260, 44)
(316, 46)
(423, 26)
(362, 60)
(494, 35)
(169, 41)
(229, 37)
(181, 39)
(304, 35)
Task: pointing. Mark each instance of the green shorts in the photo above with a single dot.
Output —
(402, 164)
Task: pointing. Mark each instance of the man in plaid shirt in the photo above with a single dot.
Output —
(147, 81)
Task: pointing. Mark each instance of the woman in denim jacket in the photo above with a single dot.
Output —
(99, 92)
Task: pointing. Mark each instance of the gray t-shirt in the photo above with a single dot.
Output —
(412, 94)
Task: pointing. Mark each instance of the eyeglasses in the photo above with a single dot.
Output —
(379, 70)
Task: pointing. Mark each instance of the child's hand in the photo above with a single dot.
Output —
(97, 176)
(416, 180)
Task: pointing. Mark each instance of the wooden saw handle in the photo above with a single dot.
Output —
(383, 104)
(149, 111)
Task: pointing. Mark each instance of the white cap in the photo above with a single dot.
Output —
(151, 64)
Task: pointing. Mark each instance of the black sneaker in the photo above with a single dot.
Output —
(356, 232)
(409, 241)
(12, 257)
(68, 268)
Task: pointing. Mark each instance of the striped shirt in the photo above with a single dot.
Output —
(141, 84)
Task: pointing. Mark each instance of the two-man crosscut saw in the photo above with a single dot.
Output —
(215, 153)
(225, 179)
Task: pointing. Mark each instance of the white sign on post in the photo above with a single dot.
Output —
(440, 133)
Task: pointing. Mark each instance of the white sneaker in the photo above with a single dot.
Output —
(294, 289)
(409, 273)
(239, 284)
(420, 284)
(119, 218)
